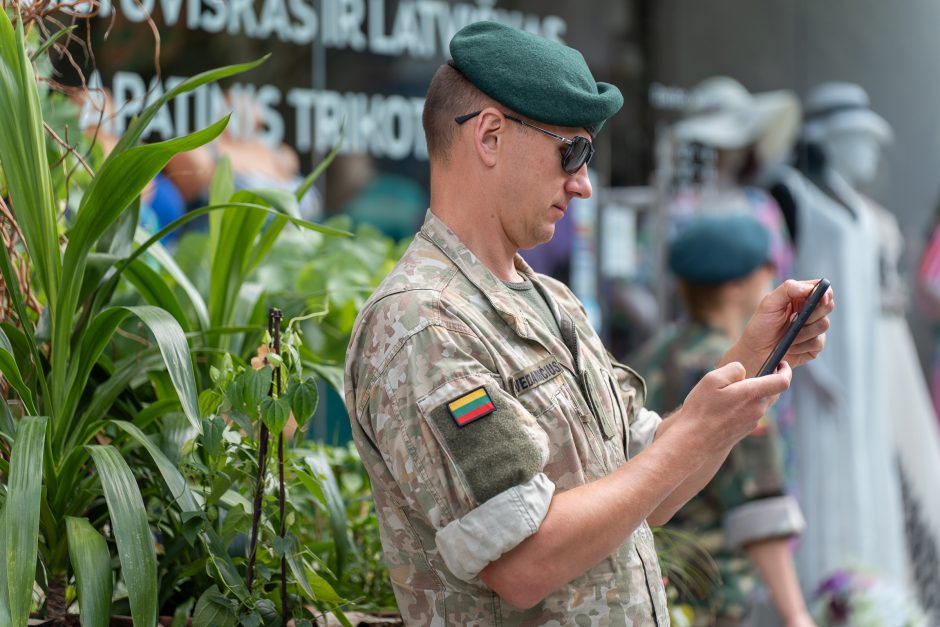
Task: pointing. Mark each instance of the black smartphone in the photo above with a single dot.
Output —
(773, 360)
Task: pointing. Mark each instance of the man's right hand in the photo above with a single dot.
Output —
(725, 406)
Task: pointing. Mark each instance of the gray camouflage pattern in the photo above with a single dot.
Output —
(439, 326)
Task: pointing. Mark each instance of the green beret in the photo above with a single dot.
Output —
(540, 79)
(716, 249)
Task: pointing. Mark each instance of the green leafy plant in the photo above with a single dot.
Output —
(79, 399)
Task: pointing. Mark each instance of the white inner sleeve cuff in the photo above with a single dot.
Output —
(643, 430)
(763, 519)
(471, 542)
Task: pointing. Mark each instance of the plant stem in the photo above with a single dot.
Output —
(256, 506)
(274, 329)
(56, 605)
(276, 318)
(283, 530)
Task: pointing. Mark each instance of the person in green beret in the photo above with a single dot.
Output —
(742, 518)
(514, 467)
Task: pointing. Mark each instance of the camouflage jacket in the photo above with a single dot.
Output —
(744, 502)
(469, 415)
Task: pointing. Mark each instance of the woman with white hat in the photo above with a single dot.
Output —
(745, 133)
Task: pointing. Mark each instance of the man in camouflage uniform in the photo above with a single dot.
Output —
(742, 516)
(503, 442)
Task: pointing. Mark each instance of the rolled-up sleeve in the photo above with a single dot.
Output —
(466, 455)
(482, 535)
(763, 519)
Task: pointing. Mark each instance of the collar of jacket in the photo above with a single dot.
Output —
(439, 234)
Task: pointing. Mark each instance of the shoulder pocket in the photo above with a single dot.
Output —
(491, 452)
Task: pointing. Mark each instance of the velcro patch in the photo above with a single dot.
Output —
(538, 374)
(471, 406)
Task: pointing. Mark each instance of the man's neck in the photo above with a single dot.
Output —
(480, 233)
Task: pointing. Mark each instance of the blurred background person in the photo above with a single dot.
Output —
(743, 518)
(733, 137)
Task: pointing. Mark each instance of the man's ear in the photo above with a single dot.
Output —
(487, 135)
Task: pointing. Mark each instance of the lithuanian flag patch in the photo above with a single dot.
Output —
(471, 406)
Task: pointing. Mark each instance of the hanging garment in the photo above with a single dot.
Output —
(914, 426)
(847, 478)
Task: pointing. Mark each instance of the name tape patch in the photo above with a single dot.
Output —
(471, 406)
(538, 374)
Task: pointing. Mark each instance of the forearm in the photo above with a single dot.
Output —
(692, 485)
(774, 562)
(586, 524)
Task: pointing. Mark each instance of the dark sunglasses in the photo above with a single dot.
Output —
(576, 155)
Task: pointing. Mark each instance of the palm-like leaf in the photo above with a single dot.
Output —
(91, 561)
(21, 530)
(131, 531)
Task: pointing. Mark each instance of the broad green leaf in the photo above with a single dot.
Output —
(11, 371)
(91, 561)
(139, 124)
(23, 156)
(256, 384)
(209, 401)
(171, 341)
(7, 426)
(236, 238)
(213, 609)
(303, 397)
(223, 183)
(135, 543)
(155, 291)
(117, 184)
(175, 482)
(189, 216)
(5, 620)
(175, 351)
(11, 285)
(166, 261)
(24, 493)
(275, 412)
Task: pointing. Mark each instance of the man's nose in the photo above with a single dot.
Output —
(579, 184)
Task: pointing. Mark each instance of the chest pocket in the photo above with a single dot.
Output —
(606, 403)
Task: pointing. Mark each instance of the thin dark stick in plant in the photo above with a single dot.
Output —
(259, 479)
(275, 317)
(256, 506)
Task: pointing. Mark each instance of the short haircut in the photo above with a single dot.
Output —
(700, 299)
(450, 95)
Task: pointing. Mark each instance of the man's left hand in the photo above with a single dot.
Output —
(771, 320)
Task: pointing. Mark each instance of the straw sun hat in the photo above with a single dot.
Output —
(722, 114)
